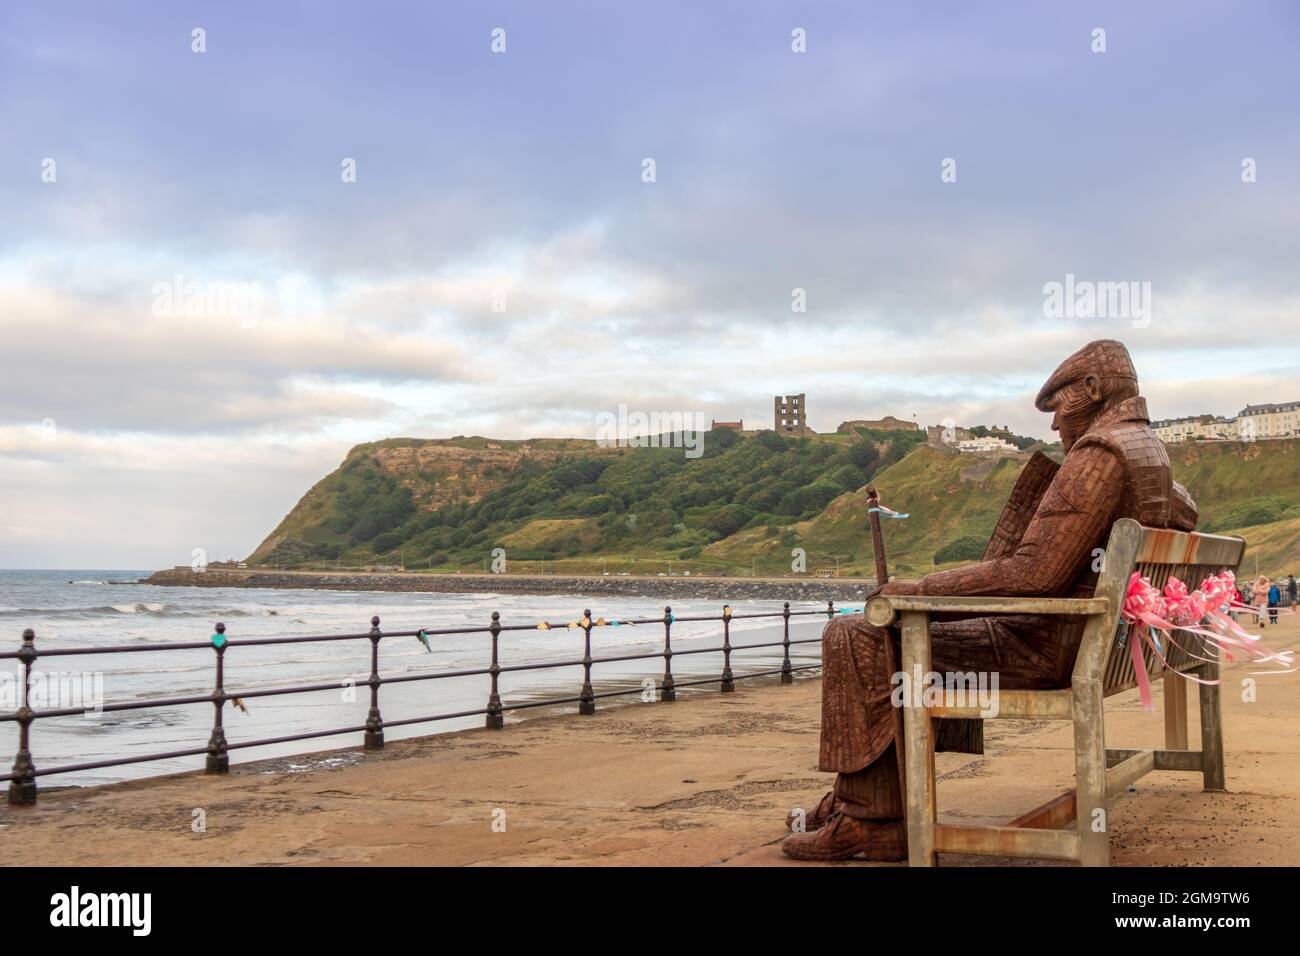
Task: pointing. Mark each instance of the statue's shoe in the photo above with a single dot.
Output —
(821, 813)
(843, 837)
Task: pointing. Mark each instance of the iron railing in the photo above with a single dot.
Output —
(22, 778)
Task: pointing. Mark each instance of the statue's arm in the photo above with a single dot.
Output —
(1182, 511)
(1071, 518)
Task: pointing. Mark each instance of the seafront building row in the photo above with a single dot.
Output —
(1274, 420)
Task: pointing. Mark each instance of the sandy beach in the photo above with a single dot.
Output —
(703, 781)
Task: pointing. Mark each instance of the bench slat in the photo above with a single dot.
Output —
(1013, 704)
(997, 605)
(1163, 546)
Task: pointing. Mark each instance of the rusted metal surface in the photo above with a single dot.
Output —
(1008, 841)
(1053, 814)
(1166, 546)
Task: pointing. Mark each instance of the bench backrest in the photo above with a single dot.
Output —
(1157, 554)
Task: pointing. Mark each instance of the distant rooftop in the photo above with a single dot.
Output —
(1270, 407)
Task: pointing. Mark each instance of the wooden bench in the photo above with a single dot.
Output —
(1103, 668)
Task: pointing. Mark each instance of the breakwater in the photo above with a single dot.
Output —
(839, 590)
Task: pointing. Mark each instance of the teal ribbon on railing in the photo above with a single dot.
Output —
(889, 512)
(218, 640)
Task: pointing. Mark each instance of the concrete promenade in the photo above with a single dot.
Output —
(706, 780)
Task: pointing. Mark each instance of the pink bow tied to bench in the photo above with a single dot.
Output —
(1152, 615)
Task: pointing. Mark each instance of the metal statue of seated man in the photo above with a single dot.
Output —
(1044, 546)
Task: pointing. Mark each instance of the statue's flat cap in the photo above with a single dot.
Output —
(1105, 358)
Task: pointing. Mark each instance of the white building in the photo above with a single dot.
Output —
(1194, 427)
(1276, 420)
(985, 444)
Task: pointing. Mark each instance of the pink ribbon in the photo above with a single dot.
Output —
(1201, 612)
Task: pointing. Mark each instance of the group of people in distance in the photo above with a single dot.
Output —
(1268, 595)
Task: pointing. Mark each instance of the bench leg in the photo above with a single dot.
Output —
(1090, 773)
(918, 744)
(1175, 711)
(1211, 728)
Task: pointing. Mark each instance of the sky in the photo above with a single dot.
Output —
(228, 256)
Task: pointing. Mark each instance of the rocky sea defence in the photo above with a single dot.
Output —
(839, 590)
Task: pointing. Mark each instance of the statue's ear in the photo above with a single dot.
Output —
(1092, 384)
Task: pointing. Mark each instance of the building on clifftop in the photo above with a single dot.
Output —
(790, 415)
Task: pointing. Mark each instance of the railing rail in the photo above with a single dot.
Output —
(22, 778)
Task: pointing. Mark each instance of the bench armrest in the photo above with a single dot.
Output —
(883, 609)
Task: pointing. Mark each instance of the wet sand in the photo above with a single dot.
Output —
(706, 780)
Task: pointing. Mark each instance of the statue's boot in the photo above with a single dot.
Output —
(866, 817)
(843, 837)
(821, 813)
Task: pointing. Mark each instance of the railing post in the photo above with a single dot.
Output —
(587, 699)
(495, 719)
(787, 675)
(218, 756)
(669, 690)
(22, 788)
(374, 723)
(830, 610)
(728, 684)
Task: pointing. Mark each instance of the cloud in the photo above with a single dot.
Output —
(115, 365)
(138, 501)
(499, 266)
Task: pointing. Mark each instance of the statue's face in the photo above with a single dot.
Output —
(1075, 407)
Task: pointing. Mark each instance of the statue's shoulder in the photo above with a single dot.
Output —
(1125, 439)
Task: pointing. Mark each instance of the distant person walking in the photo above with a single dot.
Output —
(1274, 598)
(1290, 590)
(1244, 592)
(1260, 596)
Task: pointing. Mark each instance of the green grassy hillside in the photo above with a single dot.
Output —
(448, 504)
(741, 508)
(953, 502)
(372, 502)
(1240, 484)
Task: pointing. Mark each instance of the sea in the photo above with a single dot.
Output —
(72, 609)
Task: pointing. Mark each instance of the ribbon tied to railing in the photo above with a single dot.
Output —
(887, 512)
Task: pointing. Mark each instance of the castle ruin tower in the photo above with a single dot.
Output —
(790, 415)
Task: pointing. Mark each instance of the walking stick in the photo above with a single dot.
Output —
(877, 539)
(891, 652)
